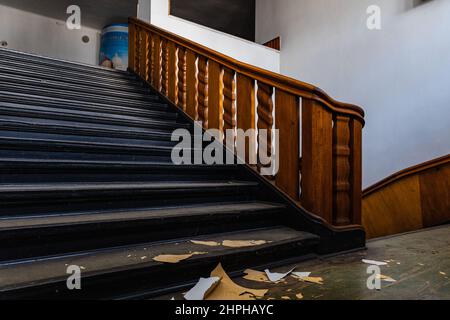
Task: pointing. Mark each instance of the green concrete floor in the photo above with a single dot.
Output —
(419, 261)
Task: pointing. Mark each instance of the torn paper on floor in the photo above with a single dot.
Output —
(206, 243)
(301, 274)
(316, 280)
(202, 289)
(169, 258)
(374, 262)
(276, 277)
(299, 296)
(243, 243)
(227, 290)
(254, 275)
(385, 278)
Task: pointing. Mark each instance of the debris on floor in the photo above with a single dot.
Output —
(276, 277)
(202, 289)
(207, 243)
(316, 280)
(228, 290)
(168, 258)
(385, 278)
(301, 274)
(257, 276)
(374, 262)
(243, 243)
(299, 296)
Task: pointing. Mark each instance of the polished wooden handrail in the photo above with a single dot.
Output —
(435, 163)
(225, 94)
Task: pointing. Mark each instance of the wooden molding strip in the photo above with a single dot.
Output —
(274, 44)
(273, 79)
(407, 172)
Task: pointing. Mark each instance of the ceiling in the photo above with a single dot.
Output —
(236, 17)
(95, 14)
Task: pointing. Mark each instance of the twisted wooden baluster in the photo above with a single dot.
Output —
(165, 68)
(137, 56)
(229, 104)
(182, 79)
(265, 120)
(202, 96)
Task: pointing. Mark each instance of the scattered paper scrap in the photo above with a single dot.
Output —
(276, 277)
(385, 278)
(285, 298)
(206, 243)
(227, 290)
(299, 296)
(443, 273)
(316, 280)
(202, 289)
(254, 275)
(168, 258)
(243, 243)
(301, 274)
(374, 262)
(144, 257)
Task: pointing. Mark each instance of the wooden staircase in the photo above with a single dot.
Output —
(86, 179)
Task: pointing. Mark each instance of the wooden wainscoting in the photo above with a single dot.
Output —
(415, 198)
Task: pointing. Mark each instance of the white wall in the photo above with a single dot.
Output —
(28, 32)
(144, 10)
(400, 75)
(240, 49)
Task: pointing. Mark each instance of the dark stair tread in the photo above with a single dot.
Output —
(12, 69)
(61, 127)
(29, 273)
(72, 219)
(37, 99)
(20, 108)
(72, 87)
(65, 64)
(78, 96)
(96, 143)
(112, 186)
(43, 164)
(86, 116)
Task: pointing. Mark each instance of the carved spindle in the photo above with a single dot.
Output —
(164, 68)
(172, 72)
(203, 91)
(341, 170)
(229, 103)
(144, 55)
(265, 121)
(182, 79)
(156, 62)
(192, 86)
(137, 56)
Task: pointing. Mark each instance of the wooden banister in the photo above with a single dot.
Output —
(227, 94)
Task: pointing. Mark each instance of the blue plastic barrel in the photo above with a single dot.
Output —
(114, 47)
